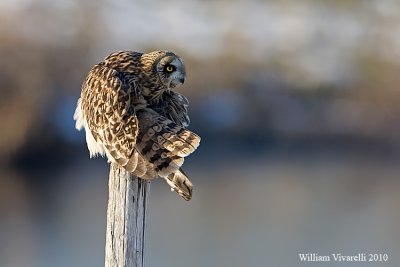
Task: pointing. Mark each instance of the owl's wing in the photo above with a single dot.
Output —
(164, 145)
(139, 139)
(179, 109)
(174, 108)
(107, 105)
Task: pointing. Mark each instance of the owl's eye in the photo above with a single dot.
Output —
(169, 68)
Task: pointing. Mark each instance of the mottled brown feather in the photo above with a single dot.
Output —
(138, 121)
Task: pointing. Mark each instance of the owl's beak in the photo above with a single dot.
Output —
(177, 81)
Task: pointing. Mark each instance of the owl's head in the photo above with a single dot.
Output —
(171, 70)
(165, 70)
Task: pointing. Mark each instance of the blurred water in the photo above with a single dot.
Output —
(250, 212)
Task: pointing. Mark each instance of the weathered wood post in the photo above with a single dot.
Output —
(126, 219)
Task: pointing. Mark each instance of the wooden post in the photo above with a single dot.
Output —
(126, 219)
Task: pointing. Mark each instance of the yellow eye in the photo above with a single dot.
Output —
(169, 68)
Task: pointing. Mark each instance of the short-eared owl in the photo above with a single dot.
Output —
(131, 114)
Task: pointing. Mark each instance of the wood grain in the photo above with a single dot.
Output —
(126, 219)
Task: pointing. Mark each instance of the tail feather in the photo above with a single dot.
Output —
(180, 183)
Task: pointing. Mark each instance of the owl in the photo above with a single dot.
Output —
(132, 114)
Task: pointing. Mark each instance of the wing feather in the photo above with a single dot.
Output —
(109, 114)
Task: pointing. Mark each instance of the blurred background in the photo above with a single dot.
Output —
(297, 104)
